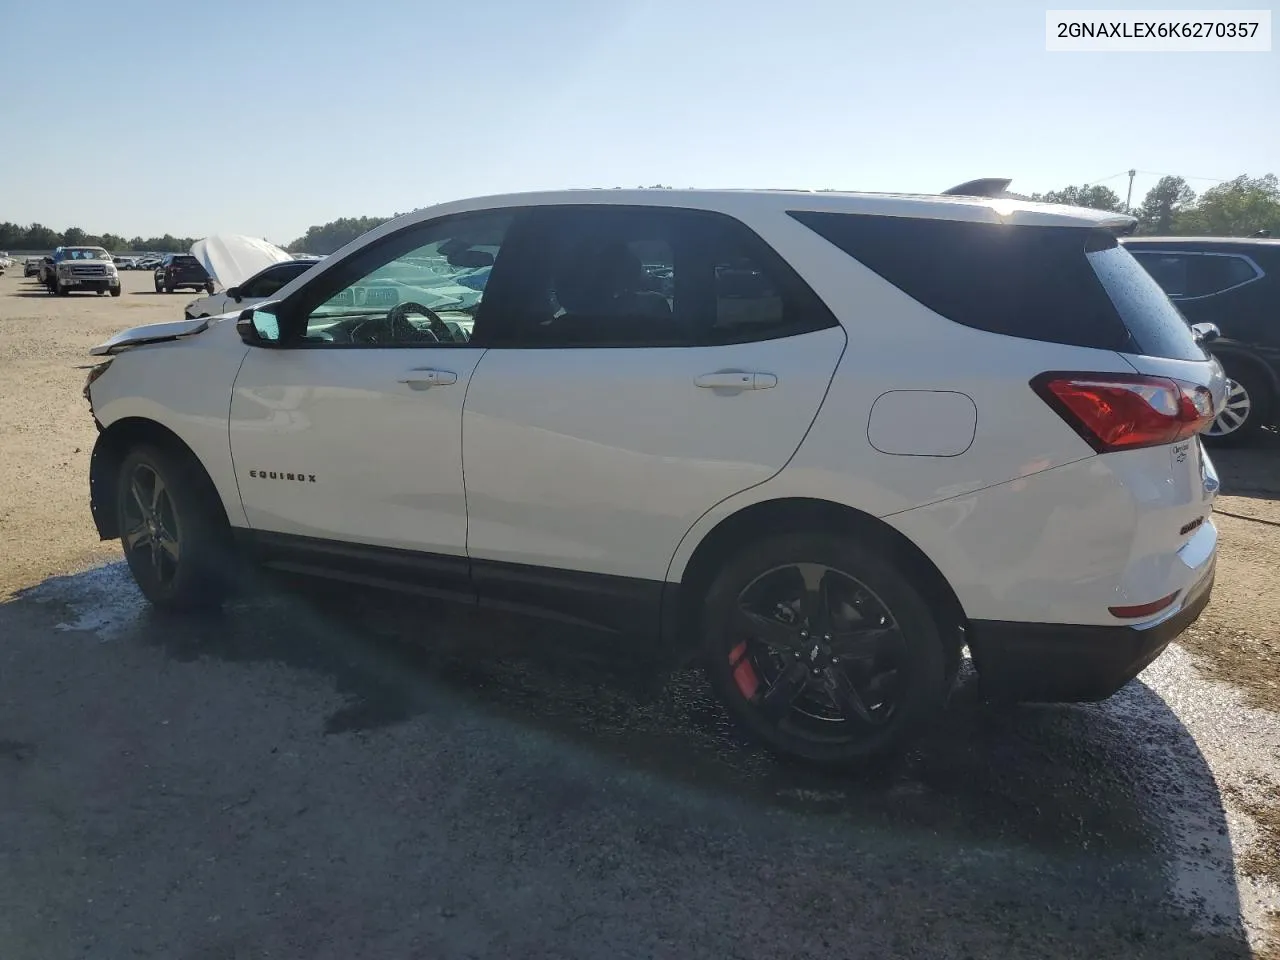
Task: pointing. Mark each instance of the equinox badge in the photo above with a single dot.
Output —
(280, 475)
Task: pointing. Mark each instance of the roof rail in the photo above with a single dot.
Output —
(986, 187)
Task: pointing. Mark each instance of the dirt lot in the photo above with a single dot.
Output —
(334, 776)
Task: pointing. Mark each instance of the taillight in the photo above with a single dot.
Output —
(1120, 411)
(1143, 609)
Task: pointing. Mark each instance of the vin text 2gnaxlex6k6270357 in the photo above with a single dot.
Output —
(819, 441)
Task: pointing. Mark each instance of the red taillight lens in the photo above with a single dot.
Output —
(1119, 411)
(1143, 609)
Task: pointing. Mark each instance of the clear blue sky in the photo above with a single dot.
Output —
(265, 117)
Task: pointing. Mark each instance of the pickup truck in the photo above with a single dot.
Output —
(81, 268)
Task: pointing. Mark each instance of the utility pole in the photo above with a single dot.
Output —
(1128, 200)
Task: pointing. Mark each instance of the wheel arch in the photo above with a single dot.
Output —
(1231, 353)
(789, 515)
(109, 451)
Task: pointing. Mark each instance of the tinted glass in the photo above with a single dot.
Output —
(1158, 329)
(1029, 282)
(271, 280)
(1168, 270)
(643, 276)
(1218, 273)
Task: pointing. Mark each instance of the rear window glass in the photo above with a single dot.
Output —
(1158, 329)
(185, 261)
(1168, 270)
(1067, 285)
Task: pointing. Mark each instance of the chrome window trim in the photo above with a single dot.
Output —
(1258, 272)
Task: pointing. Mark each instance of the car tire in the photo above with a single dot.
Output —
(848, 700)
(158, 287)
(175, 537)
(208, 288)
(1249, 408)
(115, 291)
(60, 290)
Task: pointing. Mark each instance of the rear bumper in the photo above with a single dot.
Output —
(1051, 662)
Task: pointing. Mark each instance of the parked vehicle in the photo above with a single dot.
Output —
(149, 263)
(181, 271)
(1235, 285)
(73, 269)
(31, 267)
(263, 284)
(822, 477)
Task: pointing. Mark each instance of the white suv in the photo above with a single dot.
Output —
(821, 441)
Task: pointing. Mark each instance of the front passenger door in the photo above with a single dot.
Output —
(350, 435)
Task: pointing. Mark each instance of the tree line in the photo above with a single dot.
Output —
(1241, 207)
(1235, 208)
(36, 236)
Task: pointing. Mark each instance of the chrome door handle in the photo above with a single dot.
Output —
(736, 380)
(422, 378)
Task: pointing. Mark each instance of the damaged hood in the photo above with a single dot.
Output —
(151, 333)
(232, 259)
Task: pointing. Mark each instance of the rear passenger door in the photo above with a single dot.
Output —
(648, 363)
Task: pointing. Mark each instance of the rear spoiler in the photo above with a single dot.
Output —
(986, 187)
(993, 187)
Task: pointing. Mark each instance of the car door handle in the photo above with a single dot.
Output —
(421, 378)
(736, 380)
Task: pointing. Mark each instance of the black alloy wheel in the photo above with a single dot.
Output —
(825, 651)
(149, 526)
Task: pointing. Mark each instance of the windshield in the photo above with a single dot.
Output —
(87, 253)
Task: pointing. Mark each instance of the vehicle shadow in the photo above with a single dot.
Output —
(1252, 470)
(1068, 831)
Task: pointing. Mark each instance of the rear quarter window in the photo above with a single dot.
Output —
(1157, 328)
(1068, 285)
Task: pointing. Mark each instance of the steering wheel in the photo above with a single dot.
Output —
(401, 328)
(395, 327)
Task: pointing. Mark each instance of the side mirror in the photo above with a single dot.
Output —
(259, 328)
(1206, 332)
(234, 294)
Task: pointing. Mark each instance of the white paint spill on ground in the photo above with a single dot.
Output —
(1241, 746)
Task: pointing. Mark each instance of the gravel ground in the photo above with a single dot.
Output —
(327, 775)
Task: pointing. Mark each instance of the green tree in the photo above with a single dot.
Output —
(73, 237)
(1097, 197)
(1164, 203)
(334, 235)
(1236, 208)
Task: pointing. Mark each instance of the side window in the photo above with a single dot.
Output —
(1214, 274)
(421, 287)
(1167, 269)
(600, 276)
(267, 283)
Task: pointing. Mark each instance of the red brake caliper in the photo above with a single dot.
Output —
(744, 674)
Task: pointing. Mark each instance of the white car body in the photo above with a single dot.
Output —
(251, 291)
(612, 466)
(231, 260)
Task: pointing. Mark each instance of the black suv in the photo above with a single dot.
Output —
(178, 270)
(1234, 284)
